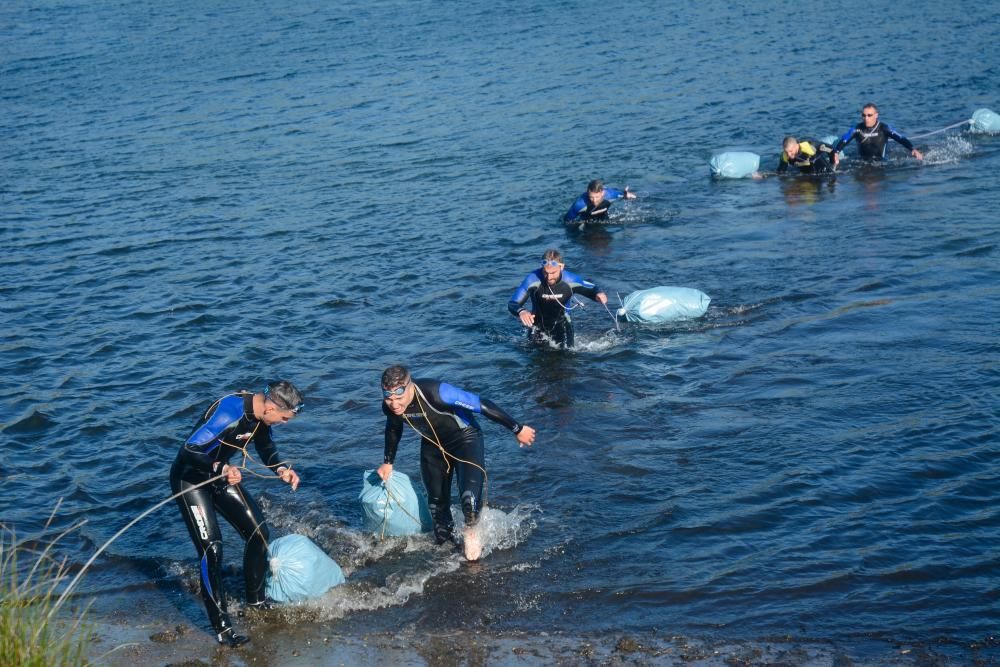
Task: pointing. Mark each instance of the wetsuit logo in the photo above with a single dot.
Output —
(865, 136)
(199, 520)
(244, 436)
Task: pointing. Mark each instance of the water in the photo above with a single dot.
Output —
(196, 200)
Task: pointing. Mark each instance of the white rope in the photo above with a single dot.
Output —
(943, 129)
(76, 579)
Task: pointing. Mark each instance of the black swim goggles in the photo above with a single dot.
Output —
(282, 404)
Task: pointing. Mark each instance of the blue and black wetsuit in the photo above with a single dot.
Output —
(442, 413)
(872, 142)
(813, 158)
(583, 209)
(550, 303)
(224, 430)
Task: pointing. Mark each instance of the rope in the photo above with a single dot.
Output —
(613, 318)
(243, 466)
(79, 575)
(437, 442)
(385, 512)
(943, 129)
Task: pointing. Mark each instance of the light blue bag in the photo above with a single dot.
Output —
(664, 304)
(299, 570)
(985, 121)
(734, 164)
(394, 508)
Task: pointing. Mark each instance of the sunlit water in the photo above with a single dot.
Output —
(196, 201)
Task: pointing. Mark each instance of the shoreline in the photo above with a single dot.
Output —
(124, 641)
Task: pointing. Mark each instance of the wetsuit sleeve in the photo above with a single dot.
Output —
(578, 207)
(782, 164)
(521, 294)
(844, 140)
(613, 194)
(898, 138)
(266, 449)
(393, 434)
(493, 412)
(580, 286)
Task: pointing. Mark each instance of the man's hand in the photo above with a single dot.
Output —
(385, 471)
(527, 318)
(602, 298)
(525, 436)
(289, 476)
(233, 474)
(917, 154)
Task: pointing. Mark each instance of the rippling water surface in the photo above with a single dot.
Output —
(197, 200)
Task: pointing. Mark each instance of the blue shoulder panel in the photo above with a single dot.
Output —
(452, 395)
(533, 279)
(227, 412)
(574, 280)
(613, 194)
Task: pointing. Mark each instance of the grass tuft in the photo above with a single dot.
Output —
(31, 635)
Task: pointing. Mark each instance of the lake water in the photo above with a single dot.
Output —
(198, 199)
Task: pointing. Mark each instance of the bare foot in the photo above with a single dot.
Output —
(473, 546)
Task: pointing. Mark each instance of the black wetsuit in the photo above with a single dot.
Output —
(872, 142)
(813, 158)
(583, 209)
(443, 413)
(225, 429)
(550, 303)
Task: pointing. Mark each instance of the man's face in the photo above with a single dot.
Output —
(553, 271)
(275, 414)
(595, 197)
(791, 150)
(397, 400)
(870, 116)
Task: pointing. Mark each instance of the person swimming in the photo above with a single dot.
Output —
(595, 202)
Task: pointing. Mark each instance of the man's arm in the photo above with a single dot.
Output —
(578, 207)
(585, 287)
(521, 294)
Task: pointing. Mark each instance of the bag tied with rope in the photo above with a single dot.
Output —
(393, 508)
(299, 570)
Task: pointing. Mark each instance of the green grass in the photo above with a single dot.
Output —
(31, 634)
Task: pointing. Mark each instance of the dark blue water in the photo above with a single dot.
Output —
(197, 200)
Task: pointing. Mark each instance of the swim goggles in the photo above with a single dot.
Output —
(551, 262)
(398, 391)
(281, 403)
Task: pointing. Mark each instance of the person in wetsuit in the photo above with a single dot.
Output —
(873, 136)
(225, 429)
(807, 156)
(595, 202)
(550, 289)
(451, 443)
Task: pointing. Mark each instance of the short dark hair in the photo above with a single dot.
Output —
(870, 105)
(595, 185)
(395, 376)
(552, 253)
(284, 394)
